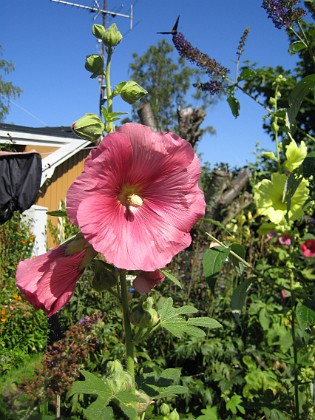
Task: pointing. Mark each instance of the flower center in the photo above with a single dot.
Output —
(129, 197)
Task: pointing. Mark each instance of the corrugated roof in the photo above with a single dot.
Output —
(62, 131)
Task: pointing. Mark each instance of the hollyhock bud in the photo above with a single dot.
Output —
(89, 127)
(143, 315)
(110, 36)
(118, 379)
(104, 276)
(94, 64)
(131, 92)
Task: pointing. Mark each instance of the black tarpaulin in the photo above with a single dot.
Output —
(20, 176)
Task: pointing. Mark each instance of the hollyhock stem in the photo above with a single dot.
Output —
(108, 87)
(127, 327)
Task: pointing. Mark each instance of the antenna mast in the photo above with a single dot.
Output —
(98, 11)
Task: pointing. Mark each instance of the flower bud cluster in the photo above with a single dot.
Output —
(241, 44)
(215, 70)
(282, 12)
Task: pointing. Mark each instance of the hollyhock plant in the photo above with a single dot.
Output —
(308, 248)
(268, 195)
(138, 197)
(49, 280)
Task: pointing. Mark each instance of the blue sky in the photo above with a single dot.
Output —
(48, 43)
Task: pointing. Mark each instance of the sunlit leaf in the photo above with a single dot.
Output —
(305, 313)
(170, 277)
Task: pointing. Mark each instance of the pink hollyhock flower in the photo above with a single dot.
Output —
(145, 281)
(49, 280)
(138, 197)
(308, 248)
(284, 294)
(285, 239)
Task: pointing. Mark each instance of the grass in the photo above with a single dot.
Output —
(26, 370)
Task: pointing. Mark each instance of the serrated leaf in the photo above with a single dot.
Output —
(57, 213)
(171, 320)
(171, 391)
(92, 386)
(209, 413)
(172, 374)
(234, 105)
(296, 97)
(125, 400)
(305, 313)
(170, 276)
(214, 259)
(204, 321)
(160, 386)
(97, 410)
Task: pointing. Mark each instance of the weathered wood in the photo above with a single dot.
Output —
(189, 121)
(146, 116)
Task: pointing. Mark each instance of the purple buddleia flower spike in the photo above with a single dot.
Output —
(241, 44)
(282, 12)
(216, 71)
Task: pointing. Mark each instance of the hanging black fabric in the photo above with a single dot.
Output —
(20, 176)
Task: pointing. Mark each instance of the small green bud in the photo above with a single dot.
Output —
(89, 127)
(143, 315)
(174, 415)
(104, 276)
(110, 36)
(98, 31)
(275, 127)
(118, 379)
(272, 101)
(165, 409)
(131, 92)
(94, 64)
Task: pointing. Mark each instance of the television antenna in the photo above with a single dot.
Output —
(104, 13)
(98, 11)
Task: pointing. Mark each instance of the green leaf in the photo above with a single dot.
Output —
(234, 105)
(239, 296)
(296, 46)
(98, 411)
(92, 386)
(170, 276)
(125, 399)
(209, 413)
(303, 88)
(204, 321)
(246, 74)
(171, 320)
(239, 250)
(234, 404)
(214, 259)
(305, 313)
(162, 385)
(57, 213)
